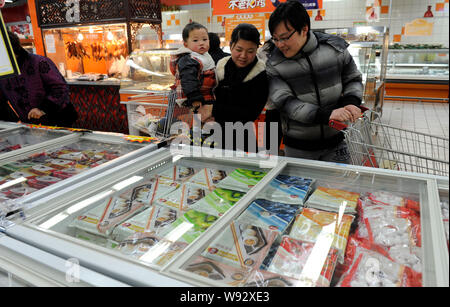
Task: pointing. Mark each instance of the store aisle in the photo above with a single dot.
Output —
(425, 117)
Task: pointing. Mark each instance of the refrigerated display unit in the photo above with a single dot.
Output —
(59, 162)
(178, 219)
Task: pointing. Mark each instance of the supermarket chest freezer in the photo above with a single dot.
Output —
(167, 219)
(58, 162)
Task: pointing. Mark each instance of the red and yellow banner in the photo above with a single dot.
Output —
(257, 21)
(231, 7)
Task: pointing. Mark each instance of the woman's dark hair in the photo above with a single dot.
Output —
(214, 41)
(290, 11)
(15, 44)
(246, 32)
(190, 27)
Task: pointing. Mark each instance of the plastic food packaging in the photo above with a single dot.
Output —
(150, 190)
(242, 180)
(241, 245)
(371, 269)
(182, 198)
(262, 278)
(311, 223)
(288, 189)
(150, 248)
(311, 264)
(154, 219)
(386, 198)
(395, 228)
(269, 215)
(333, 200)
(188, 226)
(218, 201)
(218, 271)
(102, 219)
(208, 178)
(178, 173)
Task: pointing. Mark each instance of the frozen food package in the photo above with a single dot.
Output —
(208, 178)
(311, 223)
(262, 278)
(218, 201)
(289, 189)
(218, 271)
(188, 226)
(150, 248)
(393, 227)
(182, 198)
(242, 180)
(371, 269)
(95, 239)
(154, 219)
(241, 245)
(333, 200)
(269, 215)
(102, 219)
(311, 264)
(387, 198)
(178, 173)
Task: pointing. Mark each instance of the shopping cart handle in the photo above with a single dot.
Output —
(340, 125)
(337, 125)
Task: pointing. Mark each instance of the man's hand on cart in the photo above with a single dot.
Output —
(356, 112)
(341, 115)
(205, 112)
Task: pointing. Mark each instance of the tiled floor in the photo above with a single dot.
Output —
(425, 117)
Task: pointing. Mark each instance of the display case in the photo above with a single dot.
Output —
(90, 41)
(418, 64)
(21, 137)
(44, 168)
(176, 218)
(22, 265)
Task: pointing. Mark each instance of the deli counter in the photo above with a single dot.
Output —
(174, 217)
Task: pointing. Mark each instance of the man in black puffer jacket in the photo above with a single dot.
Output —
(313, 79)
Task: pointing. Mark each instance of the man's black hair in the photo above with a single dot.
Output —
(214, 41)
(190, 27)
(292, 12)
(246, 32)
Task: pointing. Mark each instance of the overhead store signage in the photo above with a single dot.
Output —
(419, 27)
(8, 63)
(258, 21)
(231, 7)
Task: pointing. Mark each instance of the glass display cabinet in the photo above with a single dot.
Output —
(176, 218)
(418, 64)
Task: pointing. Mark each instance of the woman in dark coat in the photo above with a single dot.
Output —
(39, 95)
(242, 90)
(214, 47)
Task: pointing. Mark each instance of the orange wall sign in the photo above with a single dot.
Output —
(257, 21)
(419, 27)
(231, 7)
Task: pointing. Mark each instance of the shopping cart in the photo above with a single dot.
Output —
(374, 144)
(153, 113)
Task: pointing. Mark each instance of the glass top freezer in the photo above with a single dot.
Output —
(17, 138)
(169, 219)
(25, 174)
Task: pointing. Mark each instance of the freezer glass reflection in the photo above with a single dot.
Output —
(152, 216)
(325, 229)
(37, 171)
(22, 137)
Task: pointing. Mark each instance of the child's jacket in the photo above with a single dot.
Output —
(195, 77)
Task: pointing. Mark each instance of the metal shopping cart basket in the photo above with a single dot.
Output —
(154, 112)
(374, 144)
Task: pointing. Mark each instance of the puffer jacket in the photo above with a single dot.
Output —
(306, 88)
(193, 81)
